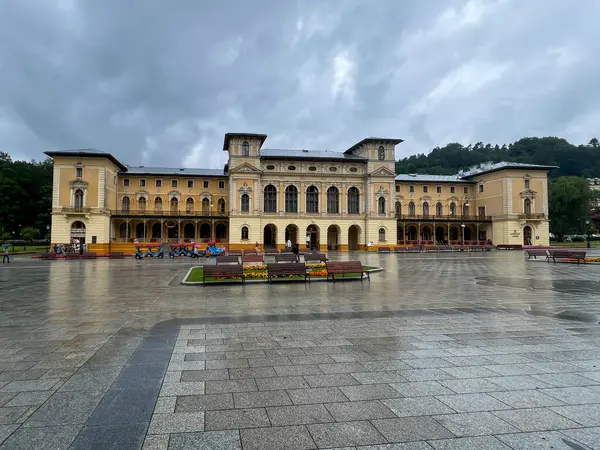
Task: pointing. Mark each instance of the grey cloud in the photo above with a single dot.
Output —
(159, 83)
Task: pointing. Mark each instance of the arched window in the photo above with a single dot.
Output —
(245, 149)
(381, 205)
(244, 233)
(411, 209)
(291, 199)
(353, 201)
(221, 205)
(527, 206)
(125, 203)
(270, 199)
(452, 209)
(425, 209)
(381, 153)
(189, 205)
(123, 230)
(398, 209)
(158, 204)
(312, 200)
(205, 206)
(78, 200)
(245, 203)
(333, 200)
(174, 204)
(438, 209)
(466, 209)
(142, 203)
(382, 235)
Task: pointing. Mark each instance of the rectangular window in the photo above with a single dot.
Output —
(452, 189)
(94, 239)
(481, 211)
(438, 189)
(481, 188)
(411, 188)
(425, 189)
(466, 190)
(142, 182)
(79, 172)
(526, 184)
(221, 185)
(158, 183)
(206, 185)
(126, 182)
(190, 184)
(397, 188)
(174, 183)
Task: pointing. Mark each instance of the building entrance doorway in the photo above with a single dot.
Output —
(312, 234)
(353, 237)
(270, 236)
(527, 235)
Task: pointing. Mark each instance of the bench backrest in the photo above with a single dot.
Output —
(315, 257)
(537, 252)
(287, 268)
(383, 249)
(225, 269)
(227, 259)
(252, 259)
(568, 254)
(286, 257)
(344, 266)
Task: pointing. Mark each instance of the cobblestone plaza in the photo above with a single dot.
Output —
(438, 351)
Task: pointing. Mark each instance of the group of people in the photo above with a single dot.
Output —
(74, 247)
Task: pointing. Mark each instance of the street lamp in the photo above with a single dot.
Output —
(462, 226)
(587, 226)
(48, 237)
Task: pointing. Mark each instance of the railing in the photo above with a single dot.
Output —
(76, 209)
(166, 213)
(148, 240)
(443, 218)
(533, 216)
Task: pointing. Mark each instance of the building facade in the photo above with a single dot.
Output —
(349, 200)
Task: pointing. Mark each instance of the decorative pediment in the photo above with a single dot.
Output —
(140, 194)
(382, 192)
(245, 189)
(78, 184)
(174, 194)
(245, 168)
(528, 193)
(383, 172)
(426, 198)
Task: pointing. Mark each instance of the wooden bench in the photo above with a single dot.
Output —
(445, 248)
(286, 257)
(564, 254)
(383, 250)
(49, 256)
(88, 255)
(116, 255)
(534, 253)
(509, 247)
(413, 249)
(235, 253)
(399, 249)
(271, 251)
(343, 267)
(287, 269)
(252, 259)
(249, 252)
(225, 271)
(432, 248)
(315, 257)
(73, 256)
(228, 259)
(477, 248)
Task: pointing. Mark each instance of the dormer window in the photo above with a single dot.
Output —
(381, 153)
(245, 149)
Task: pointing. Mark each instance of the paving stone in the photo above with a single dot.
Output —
(6, 397)
(519, 382)
(227, 364)
(411, 429)
(261, 399)
(204, 375)
(425, 375)
(204, 356)
(421, 388)
(124, 436)
(183, 388)
(88, 379)
(345, 434)
(359, 410)
(223, 386)
(468, 372)
(470, 386)
(10, 415)
(338, 379)
(254, 372)
(298, 415)
(6, 431)
(236, 418)
(474, 424)
(271, 361)
(587, 436)
(277, 438)
(417, 406)
(156, 442)
(369, 392)
(65, 408)
(586, 415)
(299, 370)
(209, 440)
(545, 440)
(535, 419)
(472, 402)
(279, 383)
(30, 385)
(378, 377)
(564, 379)
(469, 443)
(123, 406)
(574, 395)
(527, 399)
(44, 438)
(165, 404)
(178, 422)
(341, 367)
(197, 403)
(426, 363)
(399, 446)
(311, 359)
(316, 395)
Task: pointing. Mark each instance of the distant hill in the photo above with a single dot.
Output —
(581, 160)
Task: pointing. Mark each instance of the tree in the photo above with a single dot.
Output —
(30, 233)
(569, 205)
(594, 143)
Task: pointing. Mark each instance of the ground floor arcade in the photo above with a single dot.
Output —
(414, 232)
(170, 230)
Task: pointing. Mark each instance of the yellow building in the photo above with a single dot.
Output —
(347, 200)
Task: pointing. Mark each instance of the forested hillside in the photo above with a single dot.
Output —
(582, 160)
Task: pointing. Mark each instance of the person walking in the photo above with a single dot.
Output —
(308, 241)
(5, 257)
(288, 244)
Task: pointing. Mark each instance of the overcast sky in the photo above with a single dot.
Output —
(159, 83)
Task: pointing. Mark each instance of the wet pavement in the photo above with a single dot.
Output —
(442, 351)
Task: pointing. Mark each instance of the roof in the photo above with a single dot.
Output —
(228, 136)
(88, 152)
(376, 140)
(141, 170)
(426, 178)
(489, 167)
(275, 153)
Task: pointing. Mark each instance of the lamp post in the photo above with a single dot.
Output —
(587, 227)
(462, 226)
(48, 237)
